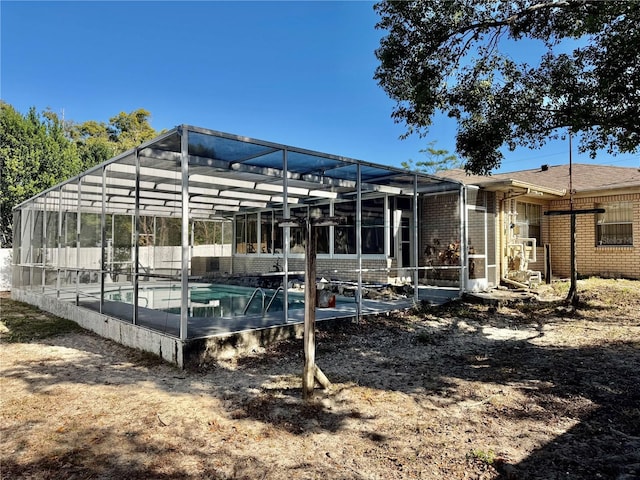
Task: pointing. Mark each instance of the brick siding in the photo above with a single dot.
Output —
(592, 260)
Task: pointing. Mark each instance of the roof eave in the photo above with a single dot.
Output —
(530, 188)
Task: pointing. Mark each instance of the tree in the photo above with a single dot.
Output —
(129, 130)
(38, 151)
(93, 143)
(99, 141)
(437, 160)
(445, 55)
(35, 154)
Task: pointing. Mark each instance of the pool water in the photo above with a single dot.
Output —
(233, 300)
(210, 300)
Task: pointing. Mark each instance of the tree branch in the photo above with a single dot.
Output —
(509, 20)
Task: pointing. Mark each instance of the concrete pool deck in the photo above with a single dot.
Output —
(209, 338)
(202, 327)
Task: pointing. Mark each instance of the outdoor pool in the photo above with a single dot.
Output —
(210, 300)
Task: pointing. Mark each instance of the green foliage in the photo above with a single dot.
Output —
(93, 142)
(99, 141)
(487, 457)
(128, 130)
(437, 159)
(35, 154)
(445, 55)
(38, 151)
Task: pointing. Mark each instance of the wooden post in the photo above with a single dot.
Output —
(308, 376)
(311, 371)
(547, 263)
(572, 296)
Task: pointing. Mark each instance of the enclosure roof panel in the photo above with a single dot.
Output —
(231, 173)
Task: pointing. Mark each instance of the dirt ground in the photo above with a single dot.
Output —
(466, 391)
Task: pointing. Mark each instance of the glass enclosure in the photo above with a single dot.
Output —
(197, 225)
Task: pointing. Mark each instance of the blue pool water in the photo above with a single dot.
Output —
(210, 300)
(233, 300)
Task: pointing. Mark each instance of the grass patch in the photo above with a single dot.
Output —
(23, 323)
(487, 457)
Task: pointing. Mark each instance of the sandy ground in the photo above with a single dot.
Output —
(463, 392)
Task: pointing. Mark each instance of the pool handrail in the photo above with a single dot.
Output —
(275, 294)
(255, 292)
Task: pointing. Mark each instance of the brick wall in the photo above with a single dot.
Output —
(440, 223)
(605, 261)
(439, 228)
(343, 269)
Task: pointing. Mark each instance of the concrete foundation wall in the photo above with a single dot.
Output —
(168, 348)
(204, 351)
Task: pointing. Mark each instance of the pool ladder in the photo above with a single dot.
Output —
(263, 297)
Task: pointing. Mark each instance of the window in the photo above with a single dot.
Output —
(247, 233)
(345, 234)
(297, 240)
(252, 233)
(277, 231)
(271, 232)
(373, 226)
(322, 233)
(246, 228)
(615, 225)
(266, 232)
(528, 221)
(241, 232)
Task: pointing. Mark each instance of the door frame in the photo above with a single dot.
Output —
(404, 217)
(476, 284)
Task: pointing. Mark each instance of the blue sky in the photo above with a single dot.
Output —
(298, 73)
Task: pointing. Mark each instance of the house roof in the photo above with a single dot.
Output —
(554, 180)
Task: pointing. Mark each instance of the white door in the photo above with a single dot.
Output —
(476, 271)
(404, 247)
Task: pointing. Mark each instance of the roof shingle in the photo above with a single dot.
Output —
(585, 177)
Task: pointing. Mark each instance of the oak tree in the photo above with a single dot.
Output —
(452, 56)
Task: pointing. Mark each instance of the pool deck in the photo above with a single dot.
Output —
(203, 327)
(209, 338)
